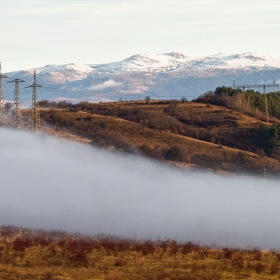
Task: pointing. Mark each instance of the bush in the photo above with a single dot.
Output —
(259, 267)
(176, 153)
(147, 99)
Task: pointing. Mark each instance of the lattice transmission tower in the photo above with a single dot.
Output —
(17, 111)
(35, 113)
(2, 101)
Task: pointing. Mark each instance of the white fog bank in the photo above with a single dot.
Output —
(52, 184)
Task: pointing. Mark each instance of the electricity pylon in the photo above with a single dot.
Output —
(17, 112)
(2, 101)
(35, 113)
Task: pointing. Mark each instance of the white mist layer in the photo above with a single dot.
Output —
(52, 184)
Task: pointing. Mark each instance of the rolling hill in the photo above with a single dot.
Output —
(189, 134)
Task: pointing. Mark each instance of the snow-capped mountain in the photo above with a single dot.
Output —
(163, 76)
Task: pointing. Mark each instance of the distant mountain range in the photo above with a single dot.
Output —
(164, 76)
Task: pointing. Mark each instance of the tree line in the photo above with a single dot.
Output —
(253, 103)
(250, 101)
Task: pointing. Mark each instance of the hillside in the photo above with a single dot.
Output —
(189, 133)
(162, 76)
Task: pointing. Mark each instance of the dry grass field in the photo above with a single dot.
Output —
(26, 254)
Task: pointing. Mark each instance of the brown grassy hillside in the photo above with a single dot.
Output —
(193, 133)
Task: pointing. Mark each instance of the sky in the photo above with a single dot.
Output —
(48, 183)
(35, 33)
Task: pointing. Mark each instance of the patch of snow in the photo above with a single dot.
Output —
(164, 75)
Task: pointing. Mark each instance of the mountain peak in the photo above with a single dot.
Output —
(254, 56)
(176, 55)
(160, 75)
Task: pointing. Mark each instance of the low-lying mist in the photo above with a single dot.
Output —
(49, 183)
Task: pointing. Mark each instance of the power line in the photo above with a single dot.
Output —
(61, 89)
(87, 91)
(111, 95)
(264, 87)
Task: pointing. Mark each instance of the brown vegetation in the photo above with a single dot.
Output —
(188, 132)
(37, 254)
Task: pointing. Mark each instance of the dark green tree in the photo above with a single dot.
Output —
(268, 138)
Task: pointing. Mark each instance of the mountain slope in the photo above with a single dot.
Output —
(199, 134)
(169, 75)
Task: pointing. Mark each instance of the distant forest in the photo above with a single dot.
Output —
(252, 102)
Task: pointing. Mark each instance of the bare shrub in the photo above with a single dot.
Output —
(228, 253)
(257, 254)
(189, 247)
(274, 269)
(145, 248)
(20, 244)
(259, 267)
(120, 262)
(176, 153)
(237, 261)
(164, 245)
(173, 247)
(147, 99)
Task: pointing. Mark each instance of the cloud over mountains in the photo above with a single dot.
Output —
(108, 84)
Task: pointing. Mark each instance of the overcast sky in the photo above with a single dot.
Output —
(39, 32)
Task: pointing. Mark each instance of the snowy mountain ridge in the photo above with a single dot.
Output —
(168, 75)
(178, 62)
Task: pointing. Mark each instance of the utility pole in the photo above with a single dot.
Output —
(35, 113)
(264, 86)
(2, 101)
(241, 102)
(266, 106)
(17, 112)
(265, 172)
